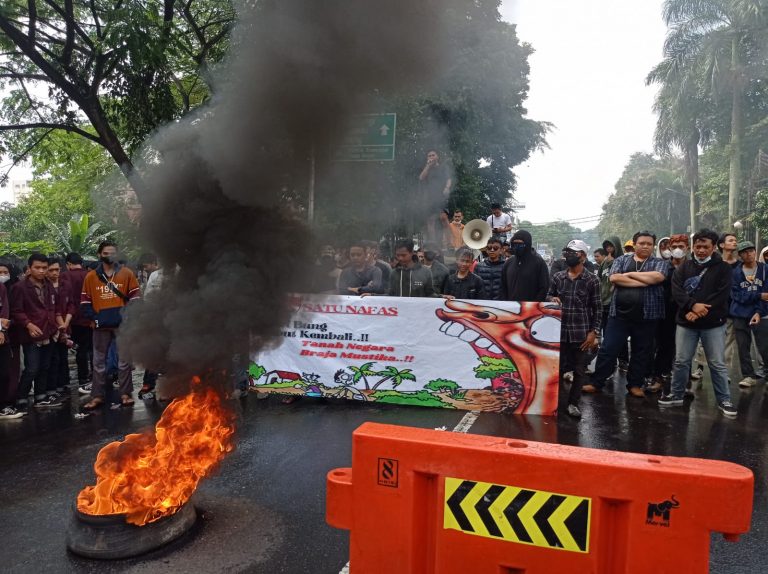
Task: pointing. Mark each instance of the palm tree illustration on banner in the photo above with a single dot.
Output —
(363, 372)
(391, 373)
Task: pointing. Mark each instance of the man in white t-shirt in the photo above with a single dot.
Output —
(500, 222)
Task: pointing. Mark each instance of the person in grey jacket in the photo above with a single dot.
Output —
(409, 278)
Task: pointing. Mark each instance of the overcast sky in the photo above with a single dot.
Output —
(587, 78)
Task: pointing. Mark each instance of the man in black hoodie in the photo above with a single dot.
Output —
(525, 276)
(701, 287)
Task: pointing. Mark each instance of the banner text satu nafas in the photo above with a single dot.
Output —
(499, 356)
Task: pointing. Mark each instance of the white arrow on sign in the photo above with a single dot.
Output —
(384, 130)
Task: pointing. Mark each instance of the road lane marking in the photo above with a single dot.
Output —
(464, 425)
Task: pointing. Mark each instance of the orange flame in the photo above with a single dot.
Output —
(151, 476)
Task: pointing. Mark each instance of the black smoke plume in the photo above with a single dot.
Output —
(215, 206)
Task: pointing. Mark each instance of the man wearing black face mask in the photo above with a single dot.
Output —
(577, 291)
(525, 276)
(106, 291)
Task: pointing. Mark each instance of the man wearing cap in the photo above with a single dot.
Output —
(524, 276)
(749, 303)
(629, 247)
(577, 291)
(637, 304)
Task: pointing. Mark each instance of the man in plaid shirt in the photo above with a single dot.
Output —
(577, 291)
(637, 305)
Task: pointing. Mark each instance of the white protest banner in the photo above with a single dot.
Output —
(497, 356)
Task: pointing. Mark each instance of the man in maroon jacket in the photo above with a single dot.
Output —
(35, 309)
(7, 391)
(82, 333)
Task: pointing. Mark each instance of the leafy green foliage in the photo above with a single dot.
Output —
(473, 114)
(394, 375)
(362, 373)
(256, 371)
(23, 249)
(711, 87)
(417, 398)
(121, 69)
(650, 195)
(491, 367)
(446, 386)
(78, 236)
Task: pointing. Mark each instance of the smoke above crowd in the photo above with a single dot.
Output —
(216, 205)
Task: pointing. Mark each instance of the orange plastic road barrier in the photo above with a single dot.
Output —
(421, 502)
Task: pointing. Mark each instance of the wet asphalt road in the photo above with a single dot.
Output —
(265, 510)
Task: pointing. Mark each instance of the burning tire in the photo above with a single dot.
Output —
(110, 537)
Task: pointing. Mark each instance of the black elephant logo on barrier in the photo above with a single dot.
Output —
(659, 512)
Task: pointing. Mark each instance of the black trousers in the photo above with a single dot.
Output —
(572, 358)
(58, 373)
(83, 338)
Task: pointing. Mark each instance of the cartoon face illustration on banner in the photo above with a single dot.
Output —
(489, 356)
(518, 348)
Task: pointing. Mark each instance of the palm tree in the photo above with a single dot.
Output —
(395, 375)
(681, 106)
(362, 372)
(711, 41)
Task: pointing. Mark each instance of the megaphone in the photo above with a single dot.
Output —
(476, 234)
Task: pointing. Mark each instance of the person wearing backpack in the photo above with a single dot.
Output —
(749, 294)
(106, 291)
(701, 287)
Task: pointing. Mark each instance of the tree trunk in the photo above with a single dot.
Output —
(734, 181)
(111, 143)
(692, 166)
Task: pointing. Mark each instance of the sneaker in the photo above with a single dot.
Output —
(574, 411)
(84, 389)
(144, 390)
(698, 374)
(623, 366)
(49, 401)
(654, 387)
(747, 382)
(57, 396)
(10, 413)
(728, 409)
(670, 401)
(568, 377)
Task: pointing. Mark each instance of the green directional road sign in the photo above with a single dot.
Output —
(370, 137)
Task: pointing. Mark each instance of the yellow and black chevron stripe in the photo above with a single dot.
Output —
(516, 514)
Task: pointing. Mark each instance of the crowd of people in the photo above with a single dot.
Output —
(52, 305)
(655, 309)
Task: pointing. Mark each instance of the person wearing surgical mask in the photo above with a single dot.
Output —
(663, 249)
(701, 288)
(674, 250)
(678, 245)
